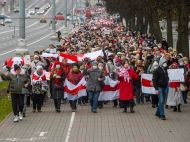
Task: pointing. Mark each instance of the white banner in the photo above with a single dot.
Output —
(176, 75)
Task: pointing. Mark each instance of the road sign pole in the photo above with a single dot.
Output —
(22, 19)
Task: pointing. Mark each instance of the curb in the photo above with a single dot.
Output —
(1, 123)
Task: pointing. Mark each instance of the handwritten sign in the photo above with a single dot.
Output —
(27, 60)
(176, 75)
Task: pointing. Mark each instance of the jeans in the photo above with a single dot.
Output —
(17, 103)
(162, 94)
(93, 96)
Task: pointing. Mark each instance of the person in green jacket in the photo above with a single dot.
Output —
(17, 81)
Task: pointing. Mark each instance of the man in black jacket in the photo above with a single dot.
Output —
(160, 83)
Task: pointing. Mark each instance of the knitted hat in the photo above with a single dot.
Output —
(39, 67)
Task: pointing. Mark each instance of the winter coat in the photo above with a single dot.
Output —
(16, 82)
(160, 78)
(126, 87)
(93, 84)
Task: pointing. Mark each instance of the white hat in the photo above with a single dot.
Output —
(39, 67)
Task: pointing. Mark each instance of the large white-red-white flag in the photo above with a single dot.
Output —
(78, 58)
(146, 81)
(110, 90)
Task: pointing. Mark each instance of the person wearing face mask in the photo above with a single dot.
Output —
(17, 81)
(57, 79)
(36, 62)
(94, 84)
(38, 82)
(126, 76)
(160, 82)
(175, 97)
(74, 77)
(184, 85)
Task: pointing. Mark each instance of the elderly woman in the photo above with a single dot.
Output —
(57, 78)
(74, 77)
(39, 83)
(175, 97)
(126, 76)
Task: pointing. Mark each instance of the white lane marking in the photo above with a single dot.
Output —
(18, 29)
(30, 43)
(38, 40)
(70, 127)
(41, 134)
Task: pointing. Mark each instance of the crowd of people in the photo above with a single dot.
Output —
(126, 56)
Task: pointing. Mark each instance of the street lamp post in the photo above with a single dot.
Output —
(53, 16)
(22, 50)
(22, 19)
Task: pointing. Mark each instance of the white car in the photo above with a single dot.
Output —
(31, 11)
(41, 11)
(8, 19)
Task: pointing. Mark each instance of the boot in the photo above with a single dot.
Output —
(125, 109)
(131, 110)
(178, 108)
(175, 109)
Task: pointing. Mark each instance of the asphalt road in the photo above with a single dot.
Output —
(37, 34)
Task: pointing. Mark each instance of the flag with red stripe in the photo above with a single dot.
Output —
(146, 81)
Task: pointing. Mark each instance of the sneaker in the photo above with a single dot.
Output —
(20, 116)
(158, 115)
(16, 119)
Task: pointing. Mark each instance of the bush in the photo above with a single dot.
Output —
(5, 102)
(5, 106)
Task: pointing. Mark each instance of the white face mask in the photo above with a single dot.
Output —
(181, 64)
(57, 66)
(164, 65)
(101, 68)
(94, 67)
(36, 61)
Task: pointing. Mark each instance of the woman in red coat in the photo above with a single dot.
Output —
(126, 95)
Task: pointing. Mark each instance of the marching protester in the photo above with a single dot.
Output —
(126, 95)
(102, 48)
(57, 80)
(160, 83)
(74, 77)
(95, 78)
(39, 84)
(175, 97)
(17, 81)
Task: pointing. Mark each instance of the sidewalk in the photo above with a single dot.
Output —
(108, 125)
